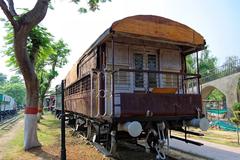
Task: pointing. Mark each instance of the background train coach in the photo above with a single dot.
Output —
(132, 83)
(7, 105)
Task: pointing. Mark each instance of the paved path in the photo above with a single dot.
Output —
(210, 150)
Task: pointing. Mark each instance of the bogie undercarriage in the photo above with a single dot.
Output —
(154, 136)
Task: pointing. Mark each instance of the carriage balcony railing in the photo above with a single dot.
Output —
(125, 79)
(125, 82)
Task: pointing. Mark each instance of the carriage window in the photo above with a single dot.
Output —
(152, 66)
(138, 61)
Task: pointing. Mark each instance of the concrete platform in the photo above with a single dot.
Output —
(208, 150)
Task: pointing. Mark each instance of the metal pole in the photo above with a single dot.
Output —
(198, 81)
(63, 146)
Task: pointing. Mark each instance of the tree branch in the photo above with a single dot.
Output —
(11, 8)
(36, 15)
(8, 14)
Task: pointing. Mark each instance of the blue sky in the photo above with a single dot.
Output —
(217, 20)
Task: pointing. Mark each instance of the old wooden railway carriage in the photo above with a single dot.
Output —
(132, 83)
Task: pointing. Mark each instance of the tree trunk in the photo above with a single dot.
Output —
(31, 82)
(22, 26)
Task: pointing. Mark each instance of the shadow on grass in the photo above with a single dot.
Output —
(41, 153)
(51, 123)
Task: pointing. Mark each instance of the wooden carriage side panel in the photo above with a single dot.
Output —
(140, 104)
(79, 103)
(170, 61)
(72, 75)
(163, 105)
(86, 66)
(190, 103)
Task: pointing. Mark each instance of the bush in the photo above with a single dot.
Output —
(236, 107)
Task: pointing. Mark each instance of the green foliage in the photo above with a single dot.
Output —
(206, 63)
(50, 60)
(15, 79)
(236, 107)
(236, 113)
(238, 90)
(236, 117)
(190, 64)
(47, 54)
(216, 95)
(38, 39)
(92, 5)
(14, 88)
(3, 79)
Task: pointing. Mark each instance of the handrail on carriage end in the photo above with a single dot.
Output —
(161, 72)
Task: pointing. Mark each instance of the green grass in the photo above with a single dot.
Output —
(48, 134)
(49, 129)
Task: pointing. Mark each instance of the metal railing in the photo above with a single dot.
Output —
(222, 71)
(184, 83)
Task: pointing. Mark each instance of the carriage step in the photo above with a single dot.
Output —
(103, 140)
(103, 150)
(190, 132)
(187, 141)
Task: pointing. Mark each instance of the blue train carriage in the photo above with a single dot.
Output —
(7, 105)
(132, 84)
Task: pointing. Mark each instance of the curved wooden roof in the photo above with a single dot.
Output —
(158, 27)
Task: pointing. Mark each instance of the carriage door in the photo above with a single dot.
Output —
(152, 66)
(139, 76)
(145, 81)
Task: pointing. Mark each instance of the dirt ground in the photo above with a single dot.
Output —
(5, 138)
(76, 147)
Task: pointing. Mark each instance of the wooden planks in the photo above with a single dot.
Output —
(158, 27)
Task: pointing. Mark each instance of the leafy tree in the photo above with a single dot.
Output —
(231, 60)
(190, 64)
(22, 25)
(47, 67)
(216, 95)
(51, 55)
(238, 90)
(15, 79)
(16, 91)
(15, 88)
(236, 117)
(3, 78)
(207, 63)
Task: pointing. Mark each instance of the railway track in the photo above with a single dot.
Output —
(7, 124)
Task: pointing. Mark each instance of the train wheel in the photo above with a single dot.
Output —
(156, 141)
(152, 139)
